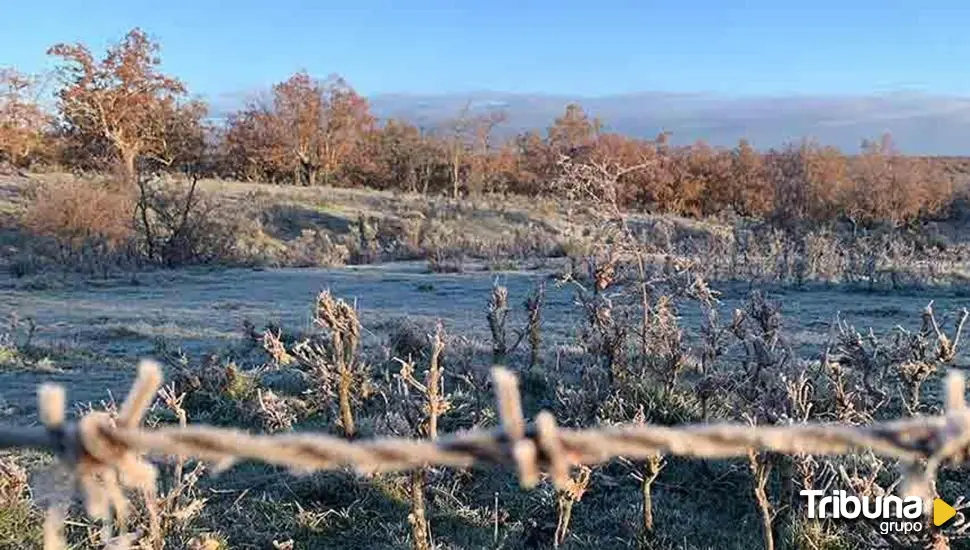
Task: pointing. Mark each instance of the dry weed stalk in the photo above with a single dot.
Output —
(274, 346)
(647, 473)
(652, 467)
(13, 482)
(434, 403)
(774, 389)
(761, 471)
(850, 385)
(533, 330)
(566, 497)
(599, 182)
(497, 313)
(275, 413)
(669, 355)
(714, 335)
(178, 506)
(920, 359)
(869, 362)
(336, 363)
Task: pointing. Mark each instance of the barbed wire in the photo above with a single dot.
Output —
(107, 453)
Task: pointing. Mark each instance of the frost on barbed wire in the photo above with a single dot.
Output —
(107, 453)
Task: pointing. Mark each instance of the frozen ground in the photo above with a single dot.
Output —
(104, 327)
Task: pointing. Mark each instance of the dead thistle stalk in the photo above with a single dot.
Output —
(336, 363)
(760, 466)
(566, 498)
(497, 315)
(652, 468)
(533, 306)
(434, 404)
(498, 311)
(342, 321)
(170, 513)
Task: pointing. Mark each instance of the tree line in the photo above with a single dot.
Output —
(120, 112)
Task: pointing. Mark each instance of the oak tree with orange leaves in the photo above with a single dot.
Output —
(484, 164)
(125, 101)
(22, 120)
(749, 192)
(400, 155)
(573, 129)
(318, 125)
(249, 146)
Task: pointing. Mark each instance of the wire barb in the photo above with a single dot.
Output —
(106, 452)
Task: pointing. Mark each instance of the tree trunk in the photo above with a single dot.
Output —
(455, 175)
(311, 172)
(142, 206)
(128, 165)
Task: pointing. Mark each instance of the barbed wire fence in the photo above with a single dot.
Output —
(107, 453)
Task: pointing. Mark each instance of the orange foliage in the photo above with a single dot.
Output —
(885, 185)
(124, 101)
(806, 180)
(574, 129)
(22, 121)
(747, 188)
(308, 128)
(399, 156)
(248, 144)
(319, 125)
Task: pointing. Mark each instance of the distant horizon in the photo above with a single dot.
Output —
(920, 123)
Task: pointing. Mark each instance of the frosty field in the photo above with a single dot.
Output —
(101, 328)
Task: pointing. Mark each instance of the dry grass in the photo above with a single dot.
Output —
(271, 225)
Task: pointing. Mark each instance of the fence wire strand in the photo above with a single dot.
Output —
(108, 453)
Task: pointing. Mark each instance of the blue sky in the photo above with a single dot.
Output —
(592, 47)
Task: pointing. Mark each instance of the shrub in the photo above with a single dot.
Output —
(179, 224)
(81, 217)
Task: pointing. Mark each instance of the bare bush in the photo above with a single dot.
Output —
(334, 362)
(179, 225)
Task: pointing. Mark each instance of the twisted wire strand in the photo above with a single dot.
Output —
(909, 441)
(107, 453)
